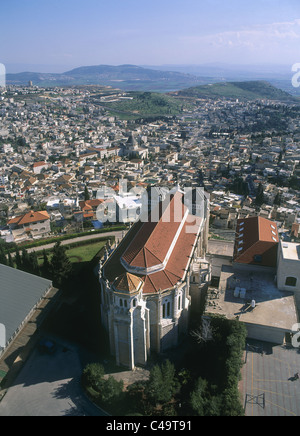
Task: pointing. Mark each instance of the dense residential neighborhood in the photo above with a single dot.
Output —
(59, 146)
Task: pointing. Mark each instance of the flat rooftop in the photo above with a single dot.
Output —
(273, 308)
(290, 250)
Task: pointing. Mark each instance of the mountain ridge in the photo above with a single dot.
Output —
(128, 77)
(244, 90)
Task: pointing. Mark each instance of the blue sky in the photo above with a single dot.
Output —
(63, 34)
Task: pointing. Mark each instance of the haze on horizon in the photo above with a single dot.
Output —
(60, 35)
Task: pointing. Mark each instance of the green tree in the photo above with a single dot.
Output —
(92, 374)
(33, 264)
(3, 258)
(110, 389)
(155, 386)
(61, 266)
(260, 196)
(162, 384)
(46, 268)
(10, 261)
(277, 199)
(199, 397)
(18, 259)
(86, 193)
(25, 261)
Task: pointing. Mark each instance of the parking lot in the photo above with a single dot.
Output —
(267, 386)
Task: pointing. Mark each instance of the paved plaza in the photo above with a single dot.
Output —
(267, 385)
(49, 385)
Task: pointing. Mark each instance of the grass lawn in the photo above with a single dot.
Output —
(83, 253)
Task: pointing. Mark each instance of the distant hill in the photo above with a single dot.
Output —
(250, 90)
(146, 105)
(125, 77)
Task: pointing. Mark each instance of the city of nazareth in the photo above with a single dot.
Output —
(147, 299)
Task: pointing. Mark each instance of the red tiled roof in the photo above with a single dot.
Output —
(39, 164)
(147, 244)
(128, 283)
(151, 244)
(30, 217)
(176, 266)
(89, 204)
(256, 238)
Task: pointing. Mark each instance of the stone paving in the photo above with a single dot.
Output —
(267, 385)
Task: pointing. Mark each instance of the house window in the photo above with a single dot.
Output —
(121, 302)
(125, 303)
(291, 281)
(258, 258)
(134, 302)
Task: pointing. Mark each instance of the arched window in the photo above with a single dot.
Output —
(291, 281)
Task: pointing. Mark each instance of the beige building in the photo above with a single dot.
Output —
(288, 267)
(32, 225)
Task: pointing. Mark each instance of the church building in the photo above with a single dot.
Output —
(148, 281)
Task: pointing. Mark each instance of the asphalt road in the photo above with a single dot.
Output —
(49, 385)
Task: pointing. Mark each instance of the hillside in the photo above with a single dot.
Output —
(125, 77)
(146, 105)
(250, 90)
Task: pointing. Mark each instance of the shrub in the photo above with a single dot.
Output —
(91, 375)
